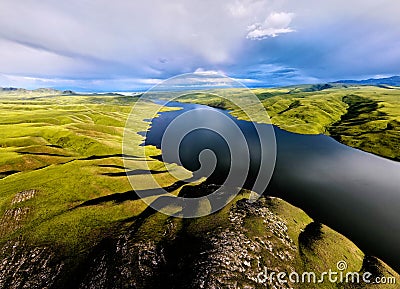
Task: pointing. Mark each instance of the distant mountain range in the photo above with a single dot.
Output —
(49, 91)
(387, 81)
(53, 92)
(391, 81)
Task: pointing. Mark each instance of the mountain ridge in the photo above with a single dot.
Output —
(391, 81)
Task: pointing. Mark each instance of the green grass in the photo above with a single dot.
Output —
(46, 144)
(49, 143)
(316, 251)
(364, 117)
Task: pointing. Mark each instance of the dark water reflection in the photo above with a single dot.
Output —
(353, 192)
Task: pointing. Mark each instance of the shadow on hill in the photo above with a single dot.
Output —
(7, 173)
(133, 173)
(44, 154)
(372, 265)
(131, 195)
(116, 198)
(138, 220)
(361, 110)
(293, 105)
(311, 234)
(112, 167)
(100, 157)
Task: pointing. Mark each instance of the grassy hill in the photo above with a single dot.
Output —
(69, 218)
(364, 117)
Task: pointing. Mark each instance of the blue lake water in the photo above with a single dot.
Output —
(354, 192)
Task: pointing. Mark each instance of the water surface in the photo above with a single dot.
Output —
(354, 192)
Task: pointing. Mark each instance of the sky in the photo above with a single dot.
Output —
(132, 45)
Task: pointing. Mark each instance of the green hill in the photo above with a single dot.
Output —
(69, 218)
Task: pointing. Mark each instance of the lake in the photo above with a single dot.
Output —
(353, 192)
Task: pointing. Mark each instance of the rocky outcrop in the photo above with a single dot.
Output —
(28, 267)
(236, 256)
(228, 249)
(13, 218)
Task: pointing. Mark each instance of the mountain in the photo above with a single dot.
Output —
(12, 89)
(392, 81)
(38, 91)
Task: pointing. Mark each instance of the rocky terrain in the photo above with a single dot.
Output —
(69, 218)
(225, 250)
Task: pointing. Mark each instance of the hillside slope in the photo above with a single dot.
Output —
(69, 218)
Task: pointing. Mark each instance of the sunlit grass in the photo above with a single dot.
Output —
(46, 144)
(308, 110)
(49, 143)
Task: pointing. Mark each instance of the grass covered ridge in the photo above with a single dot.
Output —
(63, 182)
(364, 117)
(68, 149)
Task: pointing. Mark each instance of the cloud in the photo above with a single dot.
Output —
(123, 37)
(269, 75)
(123, 43)
(261, 33)
(208, 72)
(79, 84)
(130, 36)
(273, 25)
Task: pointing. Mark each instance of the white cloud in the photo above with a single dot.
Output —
(273, 25)
(201, 70)
(119, 84)
(10, 80)
(151, 81)
(238, 8)
(125, 34)
(157, 39)
(126, 37)
(248, 81)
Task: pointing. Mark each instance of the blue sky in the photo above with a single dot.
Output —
(131, 45)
